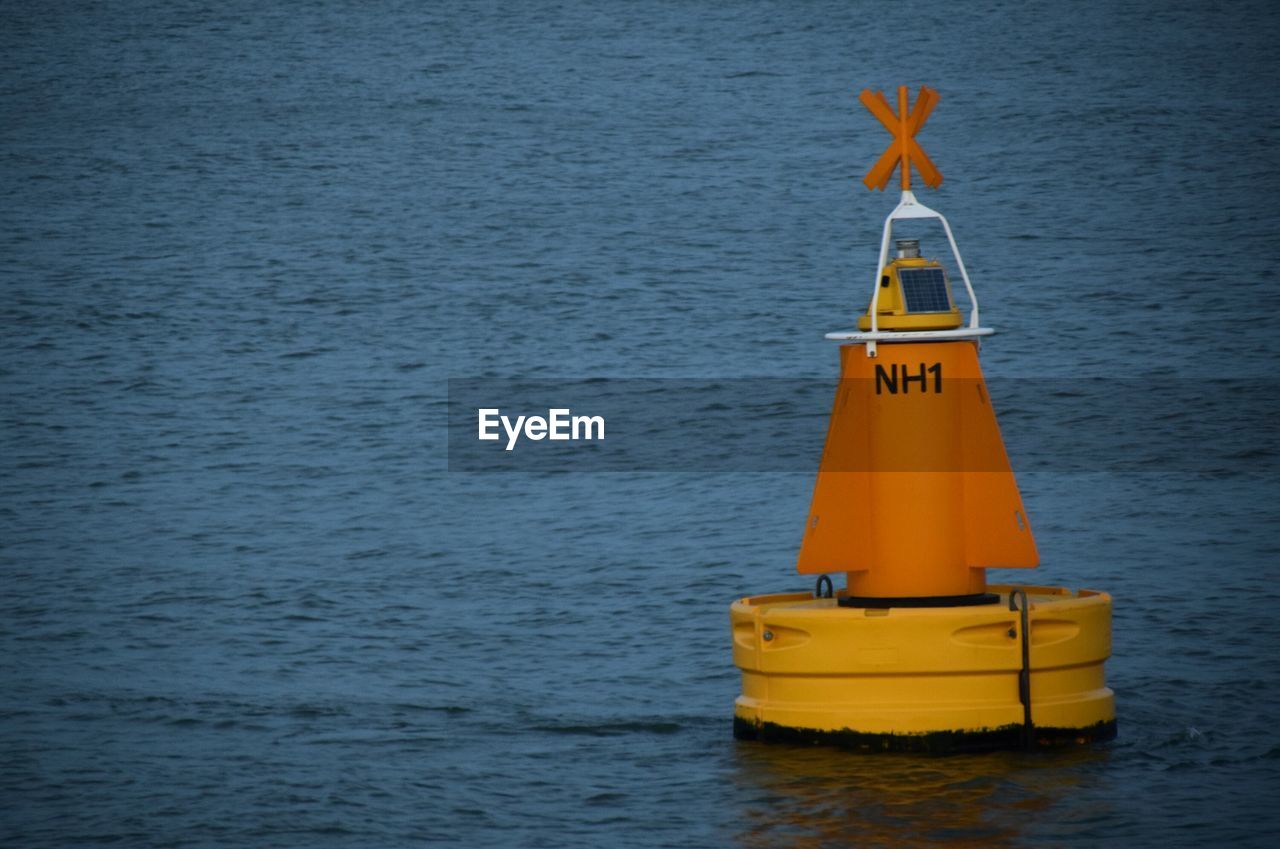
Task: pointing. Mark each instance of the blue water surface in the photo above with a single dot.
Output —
(244, 246)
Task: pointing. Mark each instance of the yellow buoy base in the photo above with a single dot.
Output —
(934, 678)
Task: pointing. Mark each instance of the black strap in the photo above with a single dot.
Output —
(1024, 674)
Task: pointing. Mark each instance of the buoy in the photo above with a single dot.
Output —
(915, 499)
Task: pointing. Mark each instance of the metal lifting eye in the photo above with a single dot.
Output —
(819, 591)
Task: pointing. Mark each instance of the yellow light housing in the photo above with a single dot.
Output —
(915, 294)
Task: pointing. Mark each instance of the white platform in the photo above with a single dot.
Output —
(908, 335)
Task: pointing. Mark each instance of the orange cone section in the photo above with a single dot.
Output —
(915, 496)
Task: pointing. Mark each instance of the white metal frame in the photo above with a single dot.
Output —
(909, 208)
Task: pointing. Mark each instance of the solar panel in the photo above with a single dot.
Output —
(925, 289)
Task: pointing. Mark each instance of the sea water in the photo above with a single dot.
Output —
(245, 598)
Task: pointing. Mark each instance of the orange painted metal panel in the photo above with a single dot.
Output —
(915, 495)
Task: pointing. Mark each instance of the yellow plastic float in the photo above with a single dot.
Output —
(915, 499)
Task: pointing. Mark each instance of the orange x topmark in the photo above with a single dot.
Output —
(904, 148)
